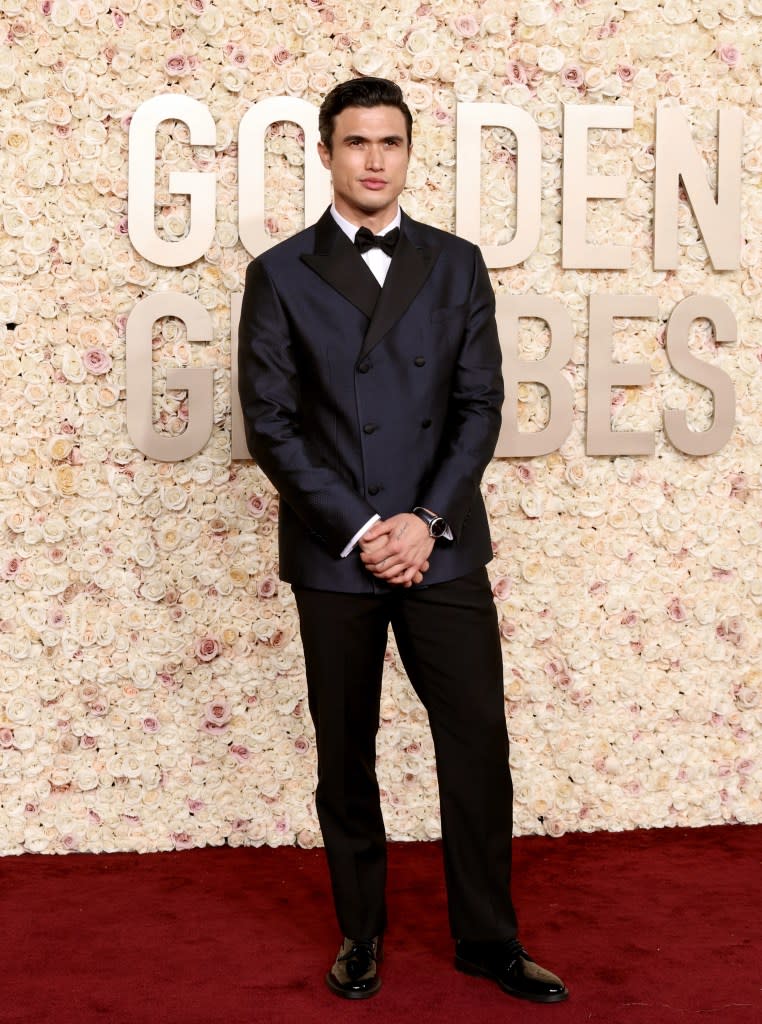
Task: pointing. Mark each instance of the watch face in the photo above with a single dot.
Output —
(437, 527)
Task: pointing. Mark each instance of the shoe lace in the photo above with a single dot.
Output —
(513, 949)
(362, 947)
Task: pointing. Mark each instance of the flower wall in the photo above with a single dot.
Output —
(151, 680)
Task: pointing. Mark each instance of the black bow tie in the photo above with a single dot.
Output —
(365, 240)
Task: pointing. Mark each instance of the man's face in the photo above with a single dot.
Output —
(368, 163)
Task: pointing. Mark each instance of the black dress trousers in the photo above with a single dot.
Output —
(449, 643)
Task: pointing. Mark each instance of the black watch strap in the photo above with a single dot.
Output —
(437, 526)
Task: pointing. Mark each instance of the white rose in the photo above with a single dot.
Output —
(86, 779)
(20, 710)
(369, 60)
(153, 590)
(466, 86)
(173, 497)
(62, 14)
(594, 79)
(550, 59)
(534, 13)
(24, 737)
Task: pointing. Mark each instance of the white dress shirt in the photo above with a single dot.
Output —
(378, 264)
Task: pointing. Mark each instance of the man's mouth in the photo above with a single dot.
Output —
(373, 183)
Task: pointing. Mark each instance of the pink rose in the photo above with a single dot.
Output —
(151, 724)
(555, 667)
(256, 506)
(278, 639)
(240, 753)
(729, 54)
(610, 28)
(573, 75)
(626, 72)
(280, 56)
(507, 628)
(207, 648)
(239, 56)
(177, 65)
(97, 361)
(676, 611)
(267, 586)
(19, 29)
(731, 629)
(12, 568)
(501, 588)
(739, 486)
(466, 25)
(217, 715)
(516, 73)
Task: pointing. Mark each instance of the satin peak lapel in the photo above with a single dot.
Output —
(408, 271)
(340, 265)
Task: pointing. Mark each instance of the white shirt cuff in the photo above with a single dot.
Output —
(351, 546)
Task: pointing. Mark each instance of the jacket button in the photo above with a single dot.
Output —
(363, 367)
(369, 428)
(419, 361)
(426, 424)
(373, 490)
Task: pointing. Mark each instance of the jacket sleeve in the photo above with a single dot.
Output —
(269, 387)
(474, 411)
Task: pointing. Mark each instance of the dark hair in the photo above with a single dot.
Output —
(361, 92)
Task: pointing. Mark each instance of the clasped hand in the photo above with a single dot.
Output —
(397, 549)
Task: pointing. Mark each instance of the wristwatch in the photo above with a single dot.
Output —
(436, 524)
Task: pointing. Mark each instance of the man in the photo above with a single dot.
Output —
(371, 391)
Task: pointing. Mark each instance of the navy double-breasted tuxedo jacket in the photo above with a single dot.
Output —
(359, 400)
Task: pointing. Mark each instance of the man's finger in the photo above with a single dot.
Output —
(377, 530)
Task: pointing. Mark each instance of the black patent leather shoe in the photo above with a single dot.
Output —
(354, 974)
(509, 964)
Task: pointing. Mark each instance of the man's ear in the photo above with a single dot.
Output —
(325, 155)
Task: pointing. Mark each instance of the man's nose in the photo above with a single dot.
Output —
(375, 158)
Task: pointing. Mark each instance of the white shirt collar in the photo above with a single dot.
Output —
(350, 230)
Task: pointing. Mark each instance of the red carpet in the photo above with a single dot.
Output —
(649, 927)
